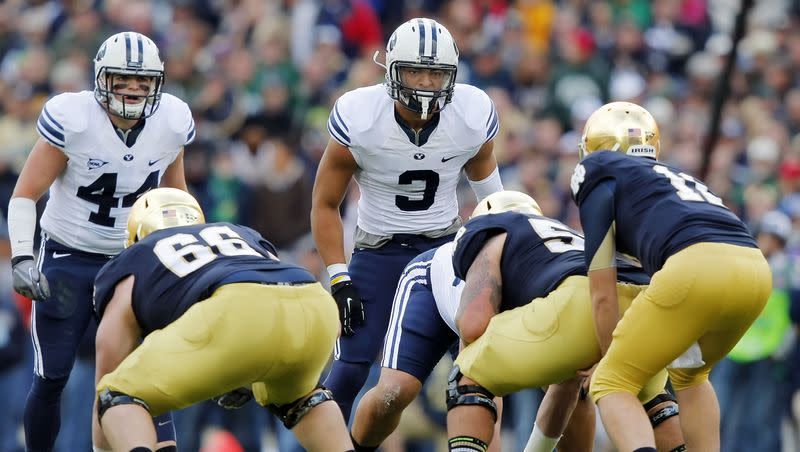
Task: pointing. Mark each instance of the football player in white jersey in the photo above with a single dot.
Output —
(98, 152)
(405, 142)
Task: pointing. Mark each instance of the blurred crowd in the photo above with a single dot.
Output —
(261, 76)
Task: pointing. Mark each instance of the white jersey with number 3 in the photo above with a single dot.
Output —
(90, 201)
(406, 188)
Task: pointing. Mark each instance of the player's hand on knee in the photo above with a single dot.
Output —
(233, 400)
(28, 280)
(351, 309)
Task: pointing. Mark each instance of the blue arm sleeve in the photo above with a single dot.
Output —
(597, 219)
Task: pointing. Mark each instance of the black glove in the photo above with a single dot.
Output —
(28, 280)
(351, 309)
(235, 399)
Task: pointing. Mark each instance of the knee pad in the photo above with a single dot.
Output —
(661, 408)
(291, 413)
(462, 395)
(109, 398)
(466, 444)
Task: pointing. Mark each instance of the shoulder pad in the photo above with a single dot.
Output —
(471, 239)
(355, 111)
(477, 109)
(179, 117)
(590, 171)
(63, 114)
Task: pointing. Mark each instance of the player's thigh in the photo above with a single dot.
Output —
(305, 346)
(417, 337)
(238, 336)
(684, 305)
(540, 343)
(59, 323)
(375, 274)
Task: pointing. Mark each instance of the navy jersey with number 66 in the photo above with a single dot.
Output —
(538, 254)
(175, 268)
(653, 210)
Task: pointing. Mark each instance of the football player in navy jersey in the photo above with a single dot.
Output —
(524, 321)
(405, 142)
(709, 279)
(221, 315)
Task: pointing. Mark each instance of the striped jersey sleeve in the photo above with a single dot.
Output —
(50, 123)
(337, 126)
(492, 122)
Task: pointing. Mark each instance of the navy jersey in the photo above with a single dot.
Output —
(654, 210)
(176, 267)
(538, 254)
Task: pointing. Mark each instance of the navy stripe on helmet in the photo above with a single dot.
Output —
(128, 48)
(421, 26)
(434, 36)
(140, 44)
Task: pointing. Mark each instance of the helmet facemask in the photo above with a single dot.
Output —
(124, 106)
(420, 100)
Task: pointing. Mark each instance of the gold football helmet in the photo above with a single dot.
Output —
(622, 127)
(506, 201)
(162, 208)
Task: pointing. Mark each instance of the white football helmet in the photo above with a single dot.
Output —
(423, 44)
(128, 53)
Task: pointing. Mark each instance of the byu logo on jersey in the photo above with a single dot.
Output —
(127, 157)
(95, 163)
(419, 156)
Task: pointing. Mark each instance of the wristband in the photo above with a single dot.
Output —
(21, 224)
(338, 273)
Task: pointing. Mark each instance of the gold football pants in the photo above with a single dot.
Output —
(544, 342)
(709, 294)
(277, 338)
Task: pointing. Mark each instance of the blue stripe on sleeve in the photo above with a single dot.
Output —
(494, 127)
(47, 136)
(58, 136)
(343, 137)
(52, 120)
(339, 117)
(336, 137)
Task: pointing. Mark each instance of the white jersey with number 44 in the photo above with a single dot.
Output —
(408, 186)
(90, 201)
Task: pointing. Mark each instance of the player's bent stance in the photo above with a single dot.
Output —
(220, 314)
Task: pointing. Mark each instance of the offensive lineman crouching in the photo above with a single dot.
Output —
(212, 302)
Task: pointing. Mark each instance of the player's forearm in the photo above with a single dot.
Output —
(21, 226)
(606, 316)
(328, 232)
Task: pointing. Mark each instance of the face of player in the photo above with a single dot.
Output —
(131, 89)
(424, 79)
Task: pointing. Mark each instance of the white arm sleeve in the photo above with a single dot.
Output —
(486, 187)
(21, 226)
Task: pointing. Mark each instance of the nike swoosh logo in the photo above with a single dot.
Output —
(444, 159)
(153, 162)
(59, 255)
(161, 424)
